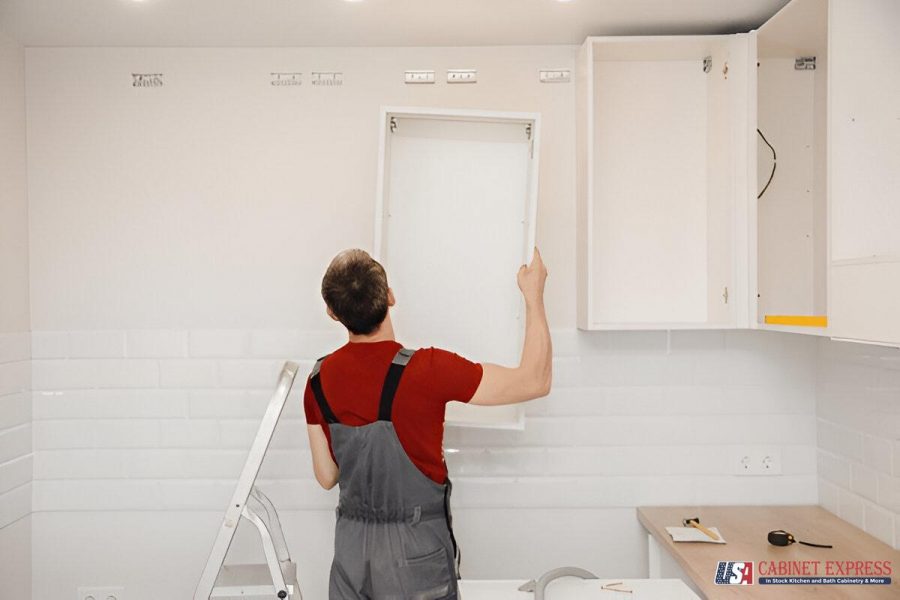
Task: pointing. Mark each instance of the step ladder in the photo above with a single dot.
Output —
(277, 578)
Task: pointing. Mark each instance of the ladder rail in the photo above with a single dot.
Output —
(246, 482)
(273, 524)
(268, 549)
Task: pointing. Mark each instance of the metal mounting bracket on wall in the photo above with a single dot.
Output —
(805, 63)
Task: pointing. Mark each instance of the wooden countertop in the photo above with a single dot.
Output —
(745, 528)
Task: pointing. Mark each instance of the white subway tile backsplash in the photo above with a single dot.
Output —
(195, 495)
(15, 347)
(834, 469)
(877, 453)
(889, 492)
(15, 377)
(54, 374)
(110, 404)
(185, 373)
(127, 433)
(15, 504)
(15, 442)
(73, 463)
(277, 343)
(49, 344)
(828, 495)
(219, 343)
(249, 374)
(189, 433)
(850, 508)
(156, 343)
(15, 473)
(96, 344)
(15, 410)
(864, 481)
(628, 410)
(16, 433)
(879, 523)
(227, 404)
(96, 494)
(50, 435)
(858, 406)
(839, 440)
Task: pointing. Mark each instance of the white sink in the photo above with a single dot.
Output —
(571, 588)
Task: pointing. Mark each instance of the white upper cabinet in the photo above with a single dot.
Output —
(776, 179)
(663, 182)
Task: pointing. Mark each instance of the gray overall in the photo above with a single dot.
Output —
(393, 537)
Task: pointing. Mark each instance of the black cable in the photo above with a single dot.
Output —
(774, 163)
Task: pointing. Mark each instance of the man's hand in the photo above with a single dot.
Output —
(531, 278)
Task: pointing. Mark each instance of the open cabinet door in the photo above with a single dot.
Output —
(455, 218)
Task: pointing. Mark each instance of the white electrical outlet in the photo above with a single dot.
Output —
(101, 593)
(757, 460)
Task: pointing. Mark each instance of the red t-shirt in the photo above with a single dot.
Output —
(353, 375)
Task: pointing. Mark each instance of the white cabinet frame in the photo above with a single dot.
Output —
(458, 413)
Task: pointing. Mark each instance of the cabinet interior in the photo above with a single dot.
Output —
(667, 114)
(792, 212)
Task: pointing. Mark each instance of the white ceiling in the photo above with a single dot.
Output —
(365, 22)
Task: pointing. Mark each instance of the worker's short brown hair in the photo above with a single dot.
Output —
(355, 288)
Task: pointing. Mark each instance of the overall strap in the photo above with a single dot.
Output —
(391, 381)
(316, 384)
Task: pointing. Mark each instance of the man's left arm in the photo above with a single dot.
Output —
(324, 467)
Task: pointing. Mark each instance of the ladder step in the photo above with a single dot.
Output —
(243, 581)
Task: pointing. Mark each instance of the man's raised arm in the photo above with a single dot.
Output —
(531, 379)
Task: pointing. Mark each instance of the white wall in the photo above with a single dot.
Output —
(178, 236)
(15, 369)
(858, 410)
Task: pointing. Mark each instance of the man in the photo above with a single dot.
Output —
(375, 415)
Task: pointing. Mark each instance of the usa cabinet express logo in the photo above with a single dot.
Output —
(734, 572)
(805, 572)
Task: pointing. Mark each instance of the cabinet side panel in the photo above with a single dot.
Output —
(864, 60)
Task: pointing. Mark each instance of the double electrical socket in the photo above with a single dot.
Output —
(101, 593)
(757, 460)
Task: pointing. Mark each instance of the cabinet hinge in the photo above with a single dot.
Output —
(725, 295)
(707, 64)
(393, 124)
(805, 63)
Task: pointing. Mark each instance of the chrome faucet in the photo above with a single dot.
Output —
(539, 587)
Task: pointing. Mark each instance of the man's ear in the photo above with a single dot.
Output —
(331, 313)
(391, 300)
